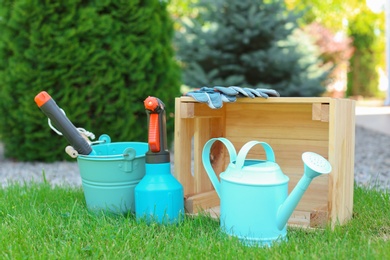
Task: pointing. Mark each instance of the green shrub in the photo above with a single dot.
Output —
(249, 43)
(98, 59)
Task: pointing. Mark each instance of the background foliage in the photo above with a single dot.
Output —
(98, 59)
(366, 29)
(363, 78)
(337, 17)
(336, 50)
(249, 43)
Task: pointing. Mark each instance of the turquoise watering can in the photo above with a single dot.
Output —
(255, 205)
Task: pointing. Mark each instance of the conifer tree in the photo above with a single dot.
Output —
(249, 43)
(99, 60)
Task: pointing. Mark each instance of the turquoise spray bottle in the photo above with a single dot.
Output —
(158, 196)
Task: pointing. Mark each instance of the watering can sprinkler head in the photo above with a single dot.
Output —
(314, 165)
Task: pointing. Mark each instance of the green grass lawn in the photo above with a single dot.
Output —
(38, 221)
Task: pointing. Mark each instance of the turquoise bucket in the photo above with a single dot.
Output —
(110, 176)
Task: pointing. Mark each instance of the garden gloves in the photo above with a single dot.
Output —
(215, 96)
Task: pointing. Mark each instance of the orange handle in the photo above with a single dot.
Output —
(153, 105)
(154, 133)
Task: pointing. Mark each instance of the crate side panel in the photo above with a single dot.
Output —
(291, 131)
(276, 121)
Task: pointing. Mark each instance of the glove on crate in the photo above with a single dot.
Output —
(215, 96)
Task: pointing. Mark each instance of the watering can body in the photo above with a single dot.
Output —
(255, 204)
(249, 211)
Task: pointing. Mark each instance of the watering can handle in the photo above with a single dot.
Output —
(245, 149)
(207, 163)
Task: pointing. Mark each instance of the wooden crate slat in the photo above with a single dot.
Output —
(341, 141)
(184, 132)
(272, 121)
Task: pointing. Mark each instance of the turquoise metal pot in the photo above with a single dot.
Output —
(255, 205)
(109, 177)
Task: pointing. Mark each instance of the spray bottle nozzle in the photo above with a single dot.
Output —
(157, 137)
(153, 104)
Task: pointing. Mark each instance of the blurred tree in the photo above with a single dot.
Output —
(333, 14)
(249, 43)
(336, 50)
(180, 8)
(363, 78)
(365, 27)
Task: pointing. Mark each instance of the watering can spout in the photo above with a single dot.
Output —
(314, 165)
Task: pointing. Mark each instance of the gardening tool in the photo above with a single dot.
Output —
(158, 196)
(253, 193)
(49, 107)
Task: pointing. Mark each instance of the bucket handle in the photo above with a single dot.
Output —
(207, 163)
(129, 155)
(104, 138)
(245, 149)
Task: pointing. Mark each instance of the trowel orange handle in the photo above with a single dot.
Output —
(157, 135)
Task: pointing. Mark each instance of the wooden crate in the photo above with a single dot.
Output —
(291, 126)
